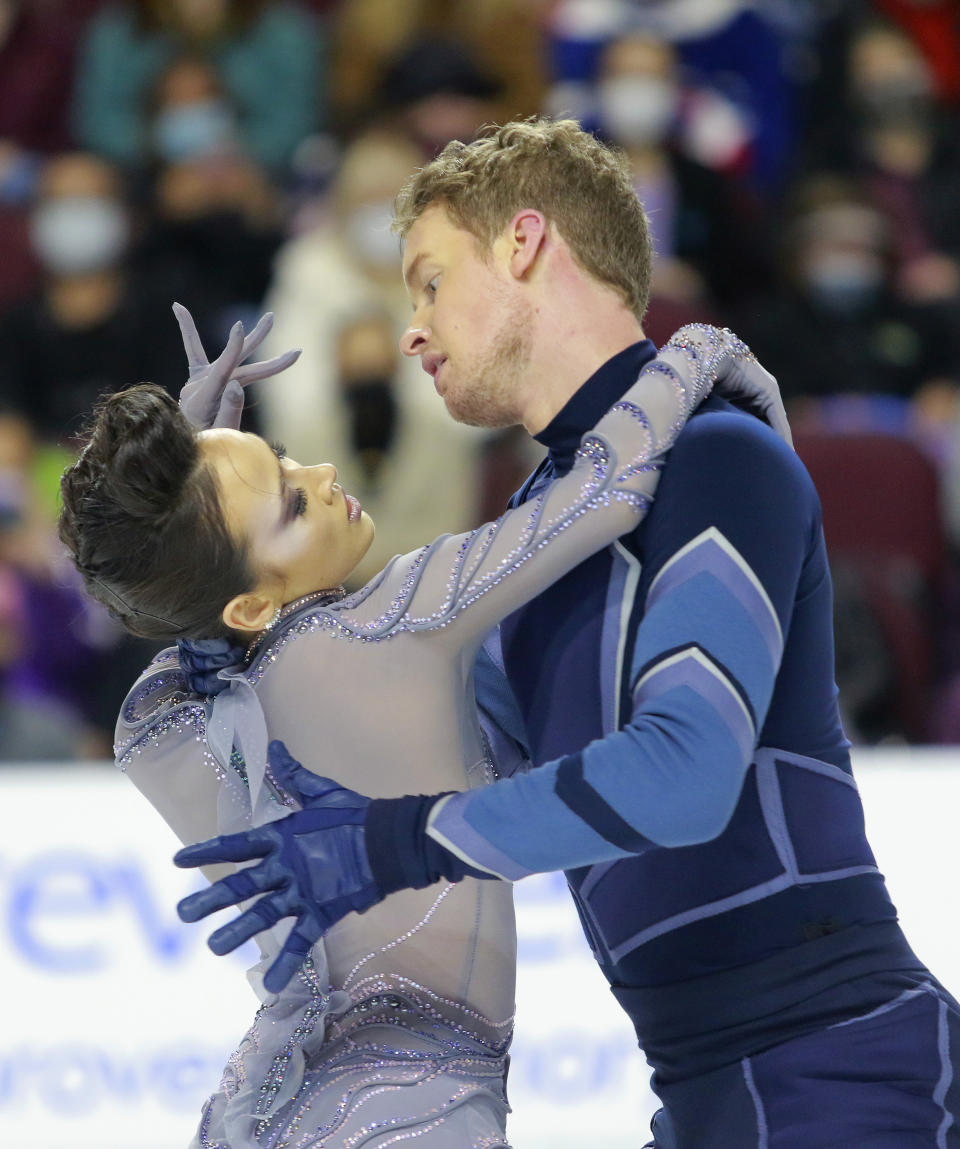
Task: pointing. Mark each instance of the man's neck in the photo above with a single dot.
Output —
(568, 356)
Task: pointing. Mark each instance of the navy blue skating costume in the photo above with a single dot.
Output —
(676, 698)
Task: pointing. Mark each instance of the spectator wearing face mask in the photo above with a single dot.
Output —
(876, 112)
(338, 294)
(736, 49)
(37, 48)
(906, 149)
(842, 342)
(268, 55)
(734, 56)
(214, 222)
(90, 328)
(707, 229)
(389, 455)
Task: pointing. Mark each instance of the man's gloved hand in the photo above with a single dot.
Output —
(314, 868)
(213, 394)
(341, 852)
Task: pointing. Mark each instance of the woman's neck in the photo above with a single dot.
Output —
(314, 598)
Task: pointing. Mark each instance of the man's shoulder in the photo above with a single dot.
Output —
(726, 463)
(720, 433)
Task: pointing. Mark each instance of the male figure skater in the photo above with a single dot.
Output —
(674, 694)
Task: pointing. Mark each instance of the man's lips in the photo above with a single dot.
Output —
(433, 365)
(353, 507)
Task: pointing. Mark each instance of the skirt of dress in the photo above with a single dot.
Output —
(397, 1066)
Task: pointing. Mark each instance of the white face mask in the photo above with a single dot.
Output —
(369, 234)
(637, 109)
(79, 234)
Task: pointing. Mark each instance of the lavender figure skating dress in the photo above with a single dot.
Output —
(397, 1027)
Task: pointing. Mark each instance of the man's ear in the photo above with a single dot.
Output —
(526, 234)
(250, 611)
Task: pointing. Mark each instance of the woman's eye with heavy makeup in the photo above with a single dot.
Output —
(279, 450)
(299, 502)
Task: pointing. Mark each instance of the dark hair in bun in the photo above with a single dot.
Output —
(142, 519)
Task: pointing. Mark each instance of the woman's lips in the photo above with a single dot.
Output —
(353, 507)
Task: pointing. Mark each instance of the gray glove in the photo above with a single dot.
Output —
(736, 374)
(213, 394)
(743, 380)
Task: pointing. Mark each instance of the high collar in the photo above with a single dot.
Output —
(583, 409)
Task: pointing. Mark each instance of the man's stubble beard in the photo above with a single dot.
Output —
(488, 396)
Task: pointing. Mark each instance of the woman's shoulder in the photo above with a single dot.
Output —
(161, 683)
(160, 701)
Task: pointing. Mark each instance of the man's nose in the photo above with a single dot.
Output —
(414, 340)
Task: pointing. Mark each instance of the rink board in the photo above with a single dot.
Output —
(117, 1020)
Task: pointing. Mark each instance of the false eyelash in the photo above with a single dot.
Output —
(299, 502)
(279, 449)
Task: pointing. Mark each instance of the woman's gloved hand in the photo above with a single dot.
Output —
(213, 393)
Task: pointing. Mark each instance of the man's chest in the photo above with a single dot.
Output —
(567, 653)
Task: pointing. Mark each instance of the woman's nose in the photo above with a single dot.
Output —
(326, 479)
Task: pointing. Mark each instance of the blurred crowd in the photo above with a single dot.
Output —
(800, 164)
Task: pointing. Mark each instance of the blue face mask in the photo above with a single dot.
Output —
(193, 131)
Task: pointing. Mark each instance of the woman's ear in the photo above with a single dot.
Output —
(250, 611)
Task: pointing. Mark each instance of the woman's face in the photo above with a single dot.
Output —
(301, 528)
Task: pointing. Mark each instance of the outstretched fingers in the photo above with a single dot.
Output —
(227, 848)
(258, 334)
(291, 957)
(263, 914)
(254, 371)
(230, 891)
(225, 365)
(196, 356)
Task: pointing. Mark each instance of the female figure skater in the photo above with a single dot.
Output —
(396, 1027)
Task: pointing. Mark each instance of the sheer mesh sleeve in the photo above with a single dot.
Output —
(160, 744)
(463, 584)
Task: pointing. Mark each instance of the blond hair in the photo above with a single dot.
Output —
(581, 185)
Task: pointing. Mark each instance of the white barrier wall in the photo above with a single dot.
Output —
(117, 1020)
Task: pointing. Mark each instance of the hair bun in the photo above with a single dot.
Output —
(146, 447)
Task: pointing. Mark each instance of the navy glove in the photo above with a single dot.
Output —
(340, 853)
(314, 868)
(213, 394)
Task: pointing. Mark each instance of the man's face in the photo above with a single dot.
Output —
(471, 325)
